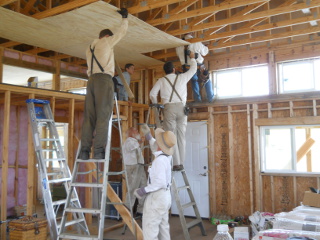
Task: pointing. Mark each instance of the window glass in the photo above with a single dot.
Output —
(242, 82)
(299, 76)
(290, 149)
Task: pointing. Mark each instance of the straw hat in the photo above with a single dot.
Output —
(165, 140)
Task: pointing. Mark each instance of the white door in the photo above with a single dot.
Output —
(196, 165)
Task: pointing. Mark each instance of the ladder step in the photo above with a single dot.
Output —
(45, 120)
(83, 210)
(115, 173)
(183, 187)
(79, 184)
(54, 173)
(54, 159)
(77, 236)
(49, 150)
(70, 223)
(188, 205)
(50, 139)
(193, 223)
(59, 180)
(63, 201)
(92, 160)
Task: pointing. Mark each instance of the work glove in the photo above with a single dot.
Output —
(146, 131)
(123, 12)
(139, 192)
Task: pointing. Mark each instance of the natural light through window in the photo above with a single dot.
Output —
(242, 82)
(290, 149)
(299, 76)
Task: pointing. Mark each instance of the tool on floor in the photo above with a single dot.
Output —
(196, 222)
(49, 152)
(102, 185)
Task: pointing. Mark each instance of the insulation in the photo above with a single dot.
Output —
(72, 32)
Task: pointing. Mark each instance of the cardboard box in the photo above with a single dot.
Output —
(311, 199)
(241, 233)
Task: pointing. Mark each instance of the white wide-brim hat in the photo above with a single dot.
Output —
(166, 140)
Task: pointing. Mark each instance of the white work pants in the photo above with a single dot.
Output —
(155, 219)
(136, 179)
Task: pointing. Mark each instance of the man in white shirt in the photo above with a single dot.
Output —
(201, 51)
(155, 220)
(173, 91)
(100, 90)
(129, 70)
(134, 162)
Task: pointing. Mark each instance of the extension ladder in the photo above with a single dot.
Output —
(49, 152)
(198, 221)
(101, 184)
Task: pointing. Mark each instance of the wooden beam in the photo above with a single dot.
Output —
(37, 50)
(5, 161)
(63, 8)
(247, 17)
(301, 32)
(1, 64)
(206, 10)
(10, 44)
(305, 148)
(56, 79)
(287, 121)
(264, 27)
(6, 2)
(30, 65)
(31, 170)
(150, 4)
(28, 7)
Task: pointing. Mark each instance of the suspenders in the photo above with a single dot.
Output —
(94, 57)
(173, 88)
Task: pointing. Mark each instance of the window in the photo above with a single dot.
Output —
(242, 82)
(292, 149)
(299, 76)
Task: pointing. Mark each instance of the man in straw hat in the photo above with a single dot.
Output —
(155, 219)
(173, 91)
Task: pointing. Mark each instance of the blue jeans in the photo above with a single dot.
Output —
(196, 89)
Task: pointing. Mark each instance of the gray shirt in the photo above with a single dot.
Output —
(123, 95)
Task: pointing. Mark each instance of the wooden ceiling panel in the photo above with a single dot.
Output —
(72, 32)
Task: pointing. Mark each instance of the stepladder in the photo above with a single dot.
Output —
(92, 175)
(53, 169)
(176, 191)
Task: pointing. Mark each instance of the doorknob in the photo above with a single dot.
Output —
(203, 174)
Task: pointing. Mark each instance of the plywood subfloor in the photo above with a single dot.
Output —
(72, 32)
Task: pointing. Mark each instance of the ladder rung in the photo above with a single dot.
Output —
(72, 222)
(115, 173)
(83, 210)
(115, 203)
(188, 205)
(45, 120)
(77, 236)
(63, 201)
(54, 159)
(49, 150)
(183, 187)
(50, 139)
(54, 173)
(193, 223)
(92, 160)
(78, 184)
(59, 180)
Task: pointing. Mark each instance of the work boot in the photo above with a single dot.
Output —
(84, 154)
(177, 168)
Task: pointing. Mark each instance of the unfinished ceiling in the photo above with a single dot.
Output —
(226, 26)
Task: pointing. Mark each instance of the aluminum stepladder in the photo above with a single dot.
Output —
(49, 151)
(103, 186)
(175, 189)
